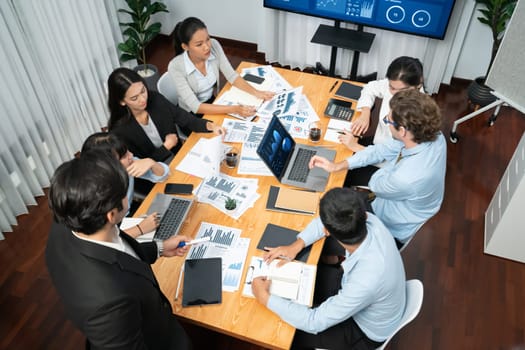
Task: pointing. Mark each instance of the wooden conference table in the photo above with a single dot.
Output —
(239, 316)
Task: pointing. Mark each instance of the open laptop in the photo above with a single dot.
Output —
(288, 161)
(173, 211)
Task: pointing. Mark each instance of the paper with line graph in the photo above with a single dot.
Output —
(225, 242)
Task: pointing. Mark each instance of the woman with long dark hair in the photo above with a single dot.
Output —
(195, 71)
(145, 120)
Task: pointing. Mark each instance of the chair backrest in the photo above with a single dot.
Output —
(167, 88)
(406, 243)
(414, 300)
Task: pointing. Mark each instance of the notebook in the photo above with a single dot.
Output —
(274, 236)
(300, 200)
(294, 280)
(288, 161)
(272, 198)
(202, 282)
(173, 211)
(349, 91)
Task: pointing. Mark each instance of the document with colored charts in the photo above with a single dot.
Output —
(273, 81)
(225, 242)
(284, 103)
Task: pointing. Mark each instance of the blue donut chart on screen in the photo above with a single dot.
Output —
(428, 18)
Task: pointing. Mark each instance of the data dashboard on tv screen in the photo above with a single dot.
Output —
(424, 17)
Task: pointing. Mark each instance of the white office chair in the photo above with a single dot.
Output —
(166, 87)
(414, 300)
(414, 290)
(406, 243)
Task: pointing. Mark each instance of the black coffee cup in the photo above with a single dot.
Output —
(231, 159)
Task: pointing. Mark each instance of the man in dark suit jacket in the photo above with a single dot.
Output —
(103, 275)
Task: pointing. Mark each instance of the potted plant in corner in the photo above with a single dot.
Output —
(495, 14)
(138, 34)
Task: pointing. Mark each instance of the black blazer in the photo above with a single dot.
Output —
(165, 115)
(112, 297)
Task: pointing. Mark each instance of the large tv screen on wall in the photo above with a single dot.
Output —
(427, 18)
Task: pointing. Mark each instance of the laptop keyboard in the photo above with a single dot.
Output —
(300, 170)
(172, 219)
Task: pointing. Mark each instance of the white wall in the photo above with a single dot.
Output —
(475, 53)
(232, 19)
(245, 20)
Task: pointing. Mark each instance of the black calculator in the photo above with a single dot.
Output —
(339, 109)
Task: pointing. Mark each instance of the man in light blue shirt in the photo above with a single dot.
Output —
(409, 188)
(362, 302)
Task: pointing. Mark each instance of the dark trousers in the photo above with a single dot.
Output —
(361, 176)
(346, 335)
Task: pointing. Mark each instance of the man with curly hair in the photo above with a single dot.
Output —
(409, 188)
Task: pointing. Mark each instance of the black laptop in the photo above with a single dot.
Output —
(288, 161)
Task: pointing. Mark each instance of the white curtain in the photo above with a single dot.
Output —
(56, 56)
(287, 38)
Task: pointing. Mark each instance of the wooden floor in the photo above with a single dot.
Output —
(472, 300)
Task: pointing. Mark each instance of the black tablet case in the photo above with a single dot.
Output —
(274, 236)
(350, 91)
(202, 282)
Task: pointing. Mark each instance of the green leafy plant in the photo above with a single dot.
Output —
(139, 32)
(230, 203)
(496, 14)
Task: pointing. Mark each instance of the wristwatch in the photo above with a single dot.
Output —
(160, 248)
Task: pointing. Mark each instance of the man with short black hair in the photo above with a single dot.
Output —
(102, 275)
(362, 300)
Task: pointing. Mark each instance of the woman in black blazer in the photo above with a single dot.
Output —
(145, 120)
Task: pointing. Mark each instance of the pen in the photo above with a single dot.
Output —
(178, 283)
(340, 132)
(287, 258)
(333, 86)
(195, 241)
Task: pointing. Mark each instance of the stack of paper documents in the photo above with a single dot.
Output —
(216, 189)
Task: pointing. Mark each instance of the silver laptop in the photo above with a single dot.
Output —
(288, 161)
(173, 211)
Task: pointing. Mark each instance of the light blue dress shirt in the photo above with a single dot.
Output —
(148, 175)
(409, 188)
(372, 288)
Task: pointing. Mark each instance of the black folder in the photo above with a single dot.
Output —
(274, 236)
(202, 282)
(350, 91)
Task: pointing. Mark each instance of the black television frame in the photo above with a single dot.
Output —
(359, 23)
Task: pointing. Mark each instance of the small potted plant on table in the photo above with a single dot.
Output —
(230, 203)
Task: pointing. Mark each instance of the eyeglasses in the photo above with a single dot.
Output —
(391, 122)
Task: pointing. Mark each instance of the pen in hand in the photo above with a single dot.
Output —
(354, 135)
(283, 257)
(195, 241)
